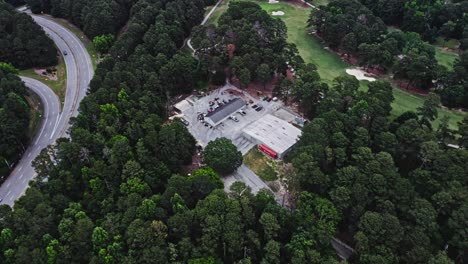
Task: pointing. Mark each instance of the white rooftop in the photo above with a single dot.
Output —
(275, 133)
(183, 106)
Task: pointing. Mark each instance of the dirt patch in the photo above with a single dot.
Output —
(256, 89)
(51, 74)
(406, 86)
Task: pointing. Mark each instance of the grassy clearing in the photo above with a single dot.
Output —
(222, 7)
(445, 57)
(87, 42)
(59, 86)
(261, 165)
(450, 43)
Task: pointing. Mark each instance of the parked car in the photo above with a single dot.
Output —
(254, 106)
(259, 108)
(242, 112)
(185, 122)
(65, 53)
(234, 118)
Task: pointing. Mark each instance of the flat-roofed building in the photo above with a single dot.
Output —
(225, 111)
(274, 136)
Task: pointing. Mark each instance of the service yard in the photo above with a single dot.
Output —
(228, 128)
(196, 112)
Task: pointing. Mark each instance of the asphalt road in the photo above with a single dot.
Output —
(54, 124)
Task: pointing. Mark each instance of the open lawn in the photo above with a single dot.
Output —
(261, 165)
(59, 86)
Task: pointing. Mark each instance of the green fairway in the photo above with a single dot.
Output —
(446, 58)
(329, 64)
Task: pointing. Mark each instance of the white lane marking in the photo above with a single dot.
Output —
(55, 127)
(25, 179)
(8, 185)
(20, 168)
(29, 155)
(22, 174)
(11, 198)
(8, 193)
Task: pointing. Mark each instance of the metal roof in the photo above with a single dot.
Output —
(226, 110)
(275, 133)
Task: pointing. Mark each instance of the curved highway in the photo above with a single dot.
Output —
(54, 124)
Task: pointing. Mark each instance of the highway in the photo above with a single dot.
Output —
(54, 123)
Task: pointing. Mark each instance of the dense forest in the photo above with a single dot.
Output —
(431, 19)
(113, 192)
(23, 43)
(116, 191)
(401, 191)
(352, 28)
(14, 118)
(94, 17)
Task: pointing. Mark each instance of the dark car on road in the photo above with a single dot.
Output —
(259, 108)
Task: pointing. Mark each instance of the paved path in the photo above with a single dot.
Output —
(54, 124)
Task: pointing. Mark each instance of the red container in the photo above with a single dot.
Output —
(268, 151)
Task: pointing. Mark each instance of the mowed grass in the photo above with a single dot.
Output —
(331, 66)
(445, 57)
(260, 165)
(222, 7)
(59, 86)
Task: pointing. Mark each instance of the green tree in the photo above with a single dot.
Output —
(244, 77)
(428, 111)
(221, 155)
(103, 43)
(263, 74)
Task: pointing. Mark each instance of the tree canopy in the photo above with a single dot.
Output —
(221, 155)
(23, 43)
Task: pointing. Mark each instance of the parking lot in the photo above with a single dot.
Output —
(229, 128)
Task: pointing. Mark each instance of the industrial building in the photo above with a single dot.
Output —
(274, 136)
(225, 111)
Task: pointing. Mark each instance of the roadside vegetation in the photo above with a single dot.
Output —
(15, 116)
(84, 39)
(58, 83)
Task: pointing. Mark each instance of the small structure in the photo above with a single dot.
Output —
(183, 106)
(225, 111)
(274, 136)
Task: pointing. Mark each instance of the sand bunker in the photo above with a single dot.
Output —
(360, 75)
(273, 1)
(278, 13)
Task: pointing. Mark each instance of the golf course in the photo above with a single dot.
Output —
(330, 65)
